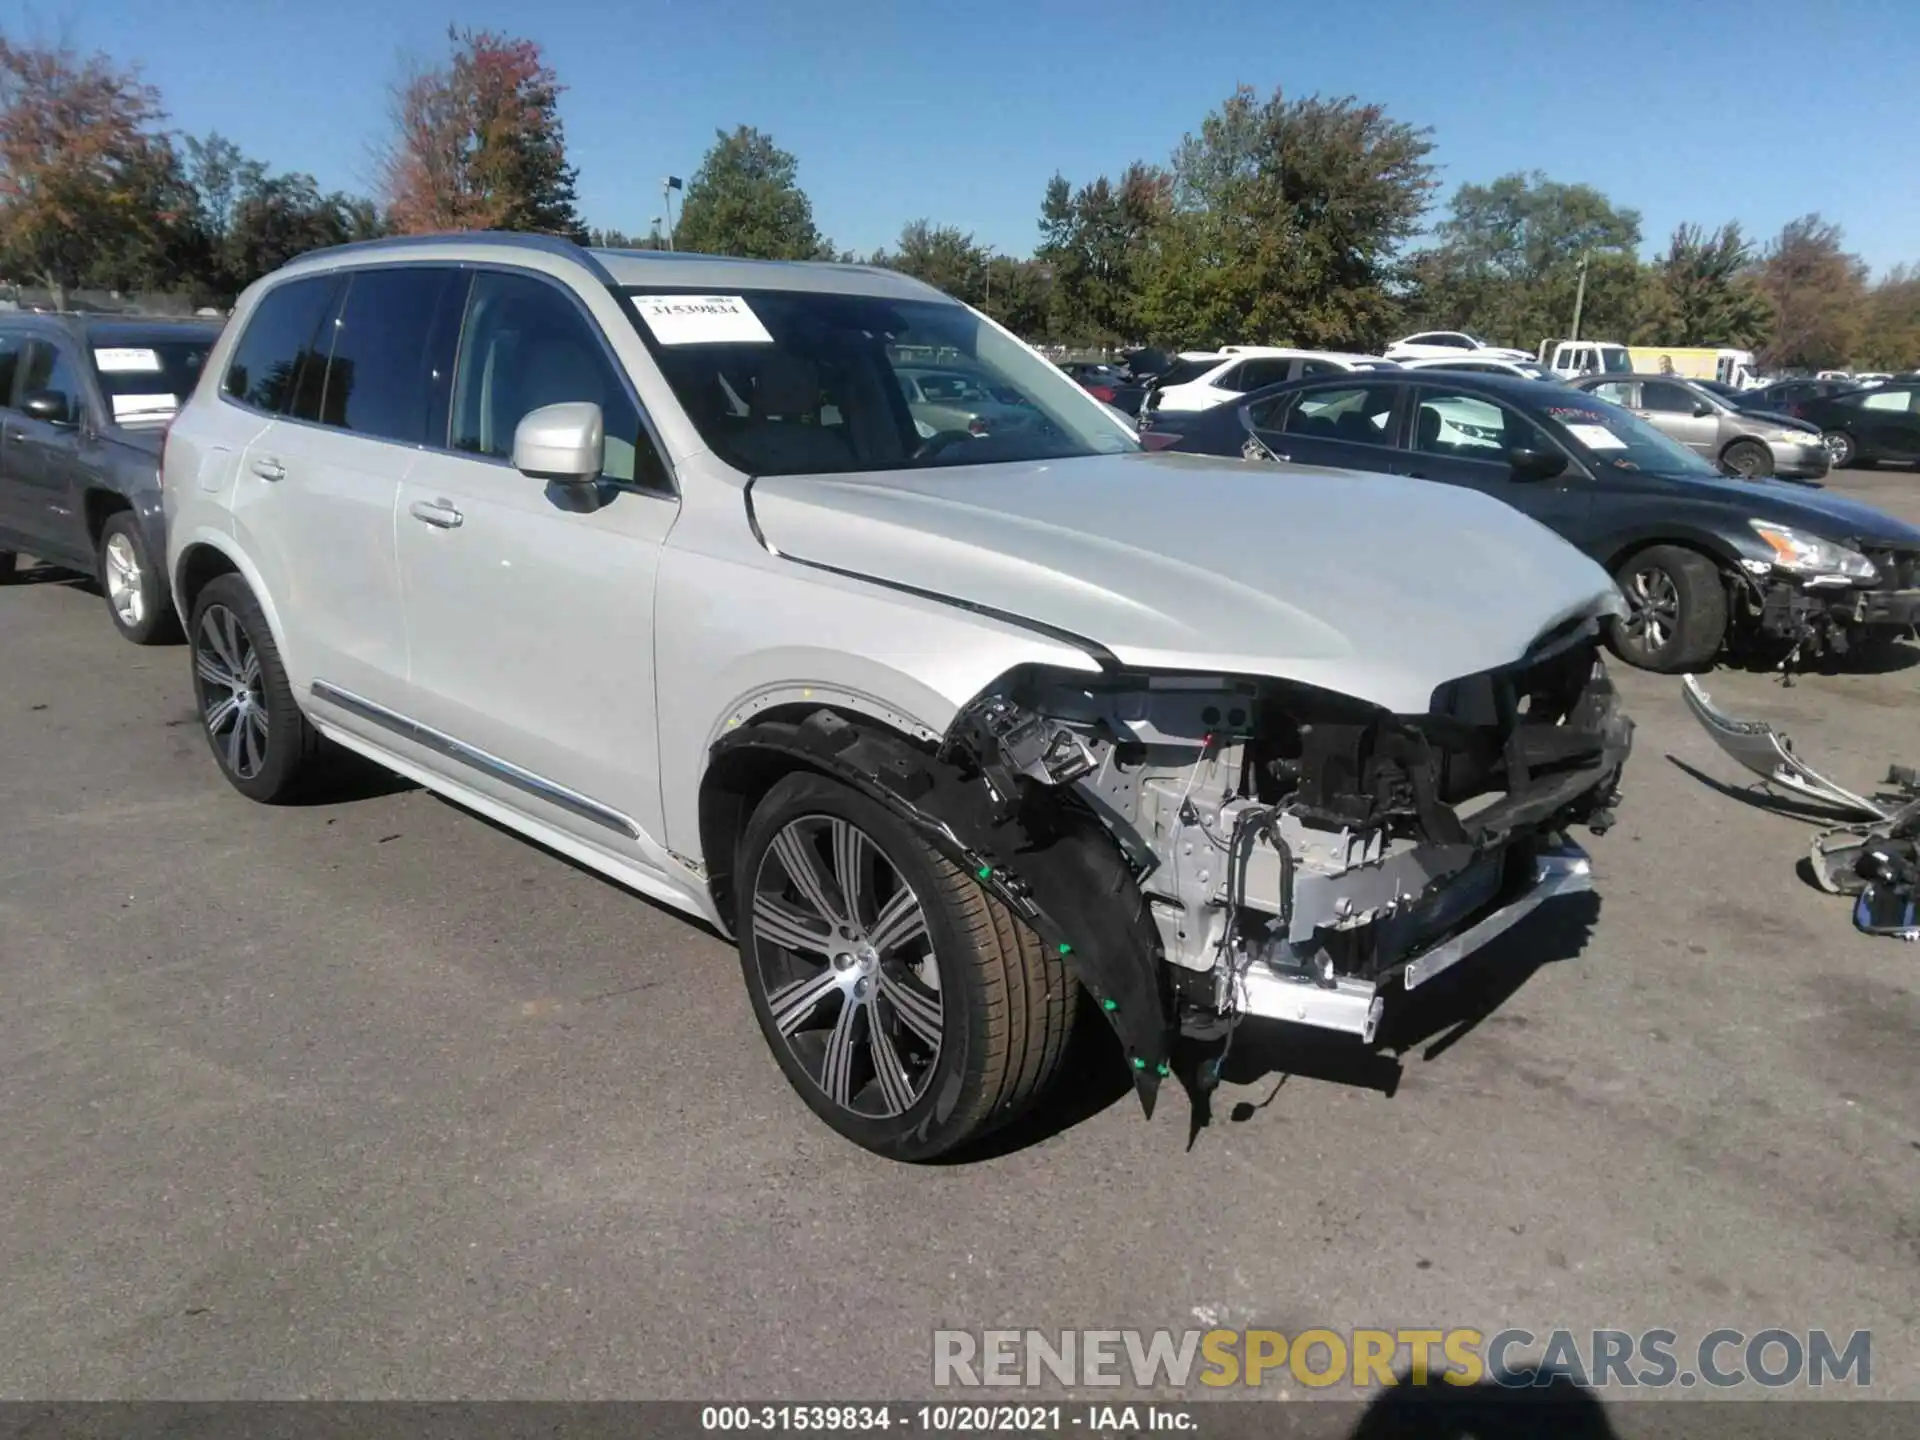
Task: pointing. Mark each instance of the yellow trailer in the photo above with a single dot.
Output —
(1729, 367)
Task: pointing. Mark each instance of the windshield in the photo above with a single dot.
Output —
(146, 375)
(1614, 361)
(792, 382)
(1613, 438)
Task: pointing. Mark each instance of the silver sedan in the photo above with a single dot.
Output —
(1751, 445)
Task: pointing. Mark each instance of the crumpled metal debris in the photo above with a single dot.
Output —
(1875, 859)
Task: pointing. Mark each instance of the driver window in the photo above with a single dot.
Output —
(527, 345)
(1668, 399)
(47, 368)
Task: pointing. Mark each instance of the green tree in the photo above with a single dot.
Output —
(1818, 292)
(944, 256)
(1017, 295)
(283, 216)
(1508, 259)
(745, 199)
(1890, 338)
(478, 143)
(1287, 218)
(1701, 293)
(1093, 241)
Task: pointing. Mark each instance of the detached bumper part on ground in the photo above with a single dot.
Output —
(1876, 860)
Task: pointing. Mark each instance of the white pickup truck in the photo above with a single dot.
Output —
(1570, 359)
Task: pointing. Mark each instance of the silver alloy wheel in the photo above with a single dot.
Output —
(124, 582)
(1653, 608)
(1839, 447)
(233, 697)
(847, 966)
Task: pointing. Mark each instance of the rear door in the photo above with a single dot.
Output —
(43, 456)
(13, 509)
(1468, 440)
(1350, 425)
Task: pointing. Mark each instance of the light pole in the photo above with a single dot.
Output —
(653, 239)
(1579, 297)
(667, 187)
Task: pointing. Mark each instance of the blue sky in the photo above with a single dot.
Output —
(1706, 110)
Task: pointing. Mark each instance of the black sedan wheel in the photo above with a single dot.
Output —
(1841, 451)
(905, 1005)
(1676, 610)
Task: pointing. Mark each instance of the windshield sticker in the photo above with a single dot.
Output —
(126, 362)
(1596, 437)
(701, 320)
(144, 407)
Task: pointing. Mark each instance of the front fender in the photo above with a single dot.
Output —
(1049, 860)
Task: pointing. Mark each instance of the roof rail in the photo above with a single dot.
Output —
(508, 239)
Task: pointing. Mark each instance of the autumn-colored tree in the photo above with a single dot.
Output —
(83, 171)
(479, 145)
(1818, 292)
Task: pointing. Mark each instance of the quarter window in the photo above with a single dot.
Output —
(276, 349)
(527, 345)
(392, 348)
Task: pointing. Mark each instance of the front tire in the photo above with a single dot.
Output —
(1748, 459)
(260, 740)
(1677, 614)
(135, 587)
(908, 1007)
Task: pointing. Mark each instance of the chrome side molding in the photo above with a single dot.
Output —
(502, 770)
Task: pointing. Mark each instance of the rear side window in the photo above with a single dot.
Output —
(392, 353)
(1359, 414)
(278, 344)
(10, 348)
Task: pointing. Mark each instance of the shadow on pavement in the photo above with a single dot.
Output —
(1534, 1406)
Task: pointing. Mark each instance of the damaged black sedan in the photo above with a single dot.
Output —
(1703, 559)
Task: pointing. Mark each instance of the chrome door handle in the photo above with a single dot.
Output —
(438, 513)
(268, 468)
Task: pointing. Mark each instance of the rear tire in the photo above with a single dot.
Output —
(1841, 451)
(918, 1019)
(134, 585)
(1748, 459)
(8, 561)
(259, 738)
(1678, 610)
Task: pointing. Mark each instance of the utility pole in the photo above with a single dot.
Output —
(667, 187)
(1579, 297)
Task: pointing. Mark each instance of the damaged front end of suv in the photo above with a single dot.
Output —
(1207, 847)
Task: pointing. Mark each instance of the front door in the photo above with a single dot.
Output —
(1889, 426)
(530, 603)
(43, 456)
(1469, 440)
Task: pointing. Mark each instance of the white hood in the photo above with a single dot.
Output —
(1374, 586)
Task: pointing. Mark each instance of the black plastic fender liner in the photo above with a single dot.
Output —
(1049, 860)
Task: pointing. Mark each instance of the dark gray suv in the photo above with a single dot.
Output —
(84, 405)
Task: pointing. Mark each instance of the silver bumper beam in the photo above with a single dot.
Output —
(1355, 1006)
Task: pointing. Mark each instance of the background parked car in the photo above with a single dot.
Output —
(1449, 345)
(1739, 442)
(1484, 365)
(1701, 557)
(956, 400)
(1864, 427)
(1785, 397)
(1097, 377)
(1242, 368)
(86, 401)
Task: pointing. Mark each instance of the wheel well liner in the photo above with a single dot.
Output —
(1722, 559)
(97, 505)
(1050, 860)
(200, 564)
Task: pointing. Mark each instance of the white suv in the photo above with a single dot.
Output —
(1204, 379)
(645, 557)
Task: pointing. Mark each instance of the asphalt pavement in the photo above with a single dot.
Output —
(369, 1098)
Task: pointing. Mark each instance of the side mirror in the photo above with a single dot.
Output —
(1536, 464)
(1701, 409)
(564, 443)
(51, 406)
